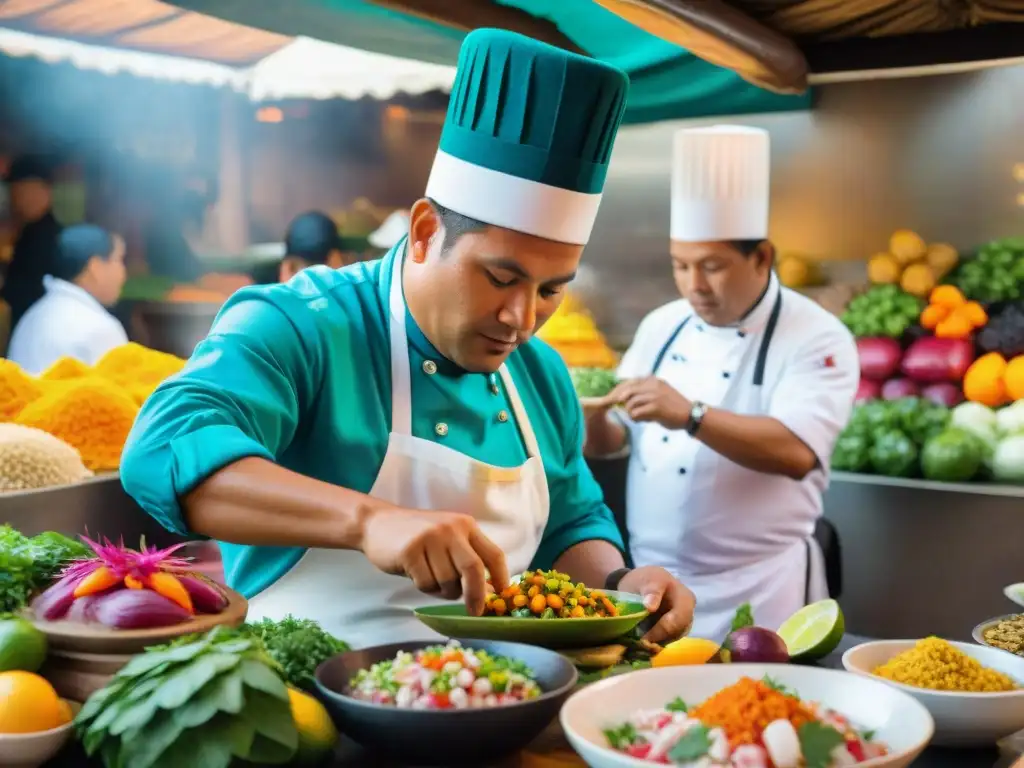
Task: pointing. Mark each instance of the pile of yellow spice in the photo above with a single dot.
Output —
(938, 665)
(90, 408)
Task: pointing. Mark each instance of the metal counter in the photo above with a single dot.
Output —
(97, 507)
(918, 557)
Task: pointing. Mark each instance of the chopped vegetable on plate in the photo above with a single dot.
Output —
(550, 595)
(445, 677)
(593, 382)
(753, 724)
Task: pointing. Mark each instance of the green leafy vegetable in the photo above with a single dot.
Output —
(775, 685)
(744, 617)
(883, 310)
(817, 741)
(204, 701)
(677, 705)
(851, 453)
(593, 382)
(894, 454)
(298, 645)
(28, 565)
(694, 745)
(953, 456)
(621, 737)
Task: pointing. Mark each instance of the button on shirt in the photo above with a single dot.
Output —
(66, 322)
(299, 374)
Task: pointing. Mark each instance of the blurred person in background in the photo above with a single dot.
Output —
(732, 400)
(29, 183)
(312, 238)
(71, 319)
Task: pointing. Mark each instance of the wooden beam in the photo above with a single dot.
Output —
(722, 35)
(467, 16)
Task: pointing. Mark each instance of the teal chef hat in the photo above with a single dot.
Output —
(528, 136)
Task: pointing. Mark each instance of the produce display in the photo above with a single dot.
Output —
(575, 336)
(125, 588)
(593, 382)
(883, 310)
(90, 409)
(219, 696)
(28, 565)
(912, 264)
(1007, 634)
(550, 595)
(298, 646)
(445, 677)
(752, 723)
(995, 274)
(938, 665)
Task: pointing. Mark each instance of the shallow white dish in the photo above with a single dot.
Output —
(1015, 593)
(961, 719)
(897, 719)
(31, 750)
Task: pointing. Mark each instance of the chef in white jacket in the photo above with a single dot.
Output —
(731, 400)
(71, 319)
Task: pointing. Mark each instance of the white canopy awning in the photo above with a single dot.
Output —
(302, 69)
(313, 69)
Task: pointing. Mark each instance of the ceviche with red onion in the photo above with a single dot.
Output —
(750, 724)
(445, 677)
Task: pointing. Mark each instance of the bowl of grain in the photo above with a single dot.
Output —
(974, 693)
(1003, 632)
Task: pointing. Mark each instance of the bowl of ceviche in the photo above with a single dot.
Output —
(544, 608)
(745, 716)
(434, 703)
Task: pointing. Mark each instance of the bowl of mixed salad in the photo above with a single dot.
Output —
(745, 716)
(440, 704)
(544, 608)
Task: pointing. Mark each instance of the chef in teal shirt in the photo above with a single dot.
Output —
(367, 440)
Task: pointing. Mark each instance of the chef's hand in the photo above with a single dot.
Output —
(444, 553)
(666, 598)
(652, 399)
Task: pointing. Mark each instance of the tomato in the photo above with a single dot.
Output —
(638, 750)
(440, 701)
(855, 748)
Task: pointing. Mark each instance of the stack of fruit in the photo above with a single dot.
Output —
(576, 337)
(912, 264)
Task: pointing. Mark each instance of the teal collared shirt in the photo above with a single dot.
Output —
(300, 374)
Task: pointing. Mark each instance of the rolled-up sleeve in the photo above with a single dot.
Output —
(240, 395)
(578, 512)
(814, 396)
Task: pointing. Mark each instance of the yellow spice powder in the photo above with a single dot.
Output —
(65, 368)
(91, 414)
(17, 389)
(135, 366)
(940, 666)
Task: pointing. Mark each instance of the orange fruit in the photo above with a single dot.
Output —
(907, 246)
(66, 713)
(28, 704)
(685, 651)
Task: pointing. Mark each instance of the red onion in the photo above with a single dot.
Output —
(897, 389)
(138, 609)
(755, 644)
(206, 597)
(55, 602)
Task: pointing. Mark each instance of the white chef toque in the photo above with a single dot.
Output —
(720, 184)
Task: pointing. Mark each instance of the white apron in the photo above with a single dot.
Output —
(697, 514)
(342, 590)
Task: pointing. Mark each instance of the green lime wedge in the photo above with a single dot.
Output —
(814, 631)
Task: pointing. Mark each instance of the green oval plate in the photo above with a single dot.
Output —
(450, 620)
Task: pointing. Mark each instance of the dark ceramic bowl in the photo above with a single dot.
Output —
(445, 737)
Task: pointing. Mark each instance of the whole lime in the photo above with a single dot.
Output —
(22, 646)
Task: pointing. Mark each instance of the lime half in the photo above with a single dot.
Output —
(814, 631)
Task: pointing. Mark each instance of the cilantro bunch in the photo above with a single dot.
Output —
(28, 565)
(299, 646)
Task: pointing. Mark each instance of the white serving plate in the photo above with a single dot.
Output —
(897, 719)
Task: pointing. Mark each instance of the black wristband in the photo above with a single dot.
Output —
(615, 578)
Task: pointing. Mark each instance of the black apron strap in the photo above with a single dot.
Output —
(668, 345)
(766, 340)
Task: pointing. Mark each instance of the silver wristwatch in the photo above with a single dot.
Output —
(697, 411)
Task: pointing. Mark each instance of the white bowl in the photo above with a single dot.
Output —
(896, 718)
(961, 719)
(31, 750)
